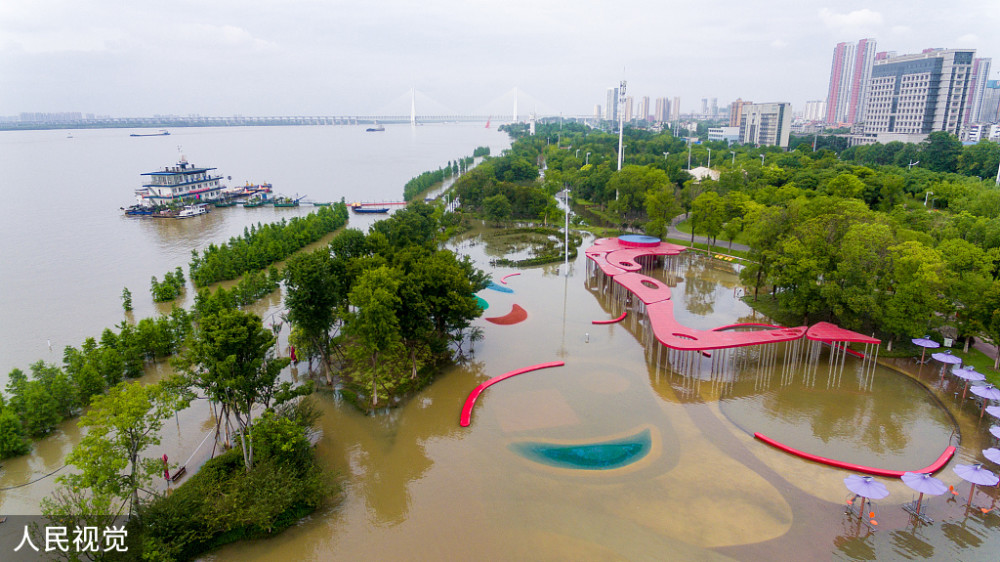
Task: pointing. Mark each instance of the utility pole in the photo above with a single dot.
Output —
(621, 127)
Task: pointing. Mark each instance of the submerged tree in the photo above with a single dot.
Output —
(231, 359)
(120, 426)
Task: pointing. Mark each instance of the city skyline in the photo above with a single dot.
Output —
(268, 58)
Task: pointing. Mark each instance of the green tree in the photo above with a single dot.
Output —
(497, 208)
(312, 293)
(940, 152)
(231, 359)
(374, 323)
(13, 441)
(661, 208)
(120, 426)
(708, 214)
(127, 299)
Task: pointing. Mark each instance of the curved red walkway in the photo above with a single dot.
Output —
(516, 314)
(612, 321)
(622, 262)
(464, 420)
(504, 278)
(934, 467)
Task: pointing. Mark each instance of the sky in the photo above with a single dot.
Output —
(135, 58)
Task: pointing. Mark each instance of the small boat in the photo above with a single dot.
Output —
(321, 203)
(162, 133)
(286, 202)
(192, 211)
(225, 203)
(376, 129)
(254, 202)
(138, 211)
(369, 210)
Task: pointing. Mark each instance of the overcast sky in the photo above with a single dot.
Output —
(333, 57)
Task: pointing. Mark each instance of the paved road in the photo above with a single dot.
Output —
(720, 245)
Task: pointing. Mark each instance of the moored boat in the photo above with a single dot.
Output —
(370, 210)
(192, 211)
(225, 203)
(375, 129)
(254, 202)
(162, 133)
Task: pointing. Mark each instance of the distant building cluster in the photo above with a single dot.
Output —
(884, 96)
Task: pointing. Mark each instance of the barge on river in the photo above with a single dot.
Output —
(179, 185)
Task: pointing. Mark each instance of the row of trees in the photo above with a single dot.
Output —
(384, 305)
(426, 180)
(34, 405)
(262, 245)
(896, 249)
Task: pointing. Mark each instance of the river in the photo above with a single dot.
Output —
(418, 486)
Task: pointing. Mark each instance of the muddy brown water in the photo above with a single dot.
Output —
(417, 486)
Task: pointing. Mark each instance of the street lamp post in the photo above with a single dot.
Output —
(912, 164)
(689, 155)
(566, 239)
(734, 157)
(577, 153)
(709, 158)
(926, 195)
(587, 162)
(998, 175)
(761, 160)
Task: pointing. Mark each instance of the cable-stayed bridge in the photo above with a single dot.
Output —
(412, 106)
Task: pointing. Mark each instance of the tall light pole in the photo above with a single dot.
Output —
(566, 239)
(926, 195)
(734, 157)
(577, 153)
(621, 127)
(761, 160)
(709, 158)
(912, 164)
(587, 163)
(998, 175)
(689, 155)
(665, 154)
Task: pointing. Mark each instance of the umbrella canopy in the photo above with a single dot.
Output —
(992, 454)
(987, 391)
(947, 358)
(976, 474)
(969, 373)
(995, 430)
(924, 483)
(926, 342)
(993, 411)
(866, 487)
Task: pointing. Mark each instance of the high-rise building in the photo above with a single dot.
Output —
(611, 109)
(815, 110)
(628, 108)
(989, 112)
(662, 113)
(597, 111)
(704, 106)
(736, 111)
(766, 124)
(715, 107)
(913, 95)
(849, 75)
(675, 109)
(643, 113)
(977, 88)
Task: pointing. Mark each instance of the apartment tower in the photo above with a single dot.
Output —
(849, 76)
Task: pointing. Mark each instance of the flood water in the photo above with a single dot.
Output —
(419, 486)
